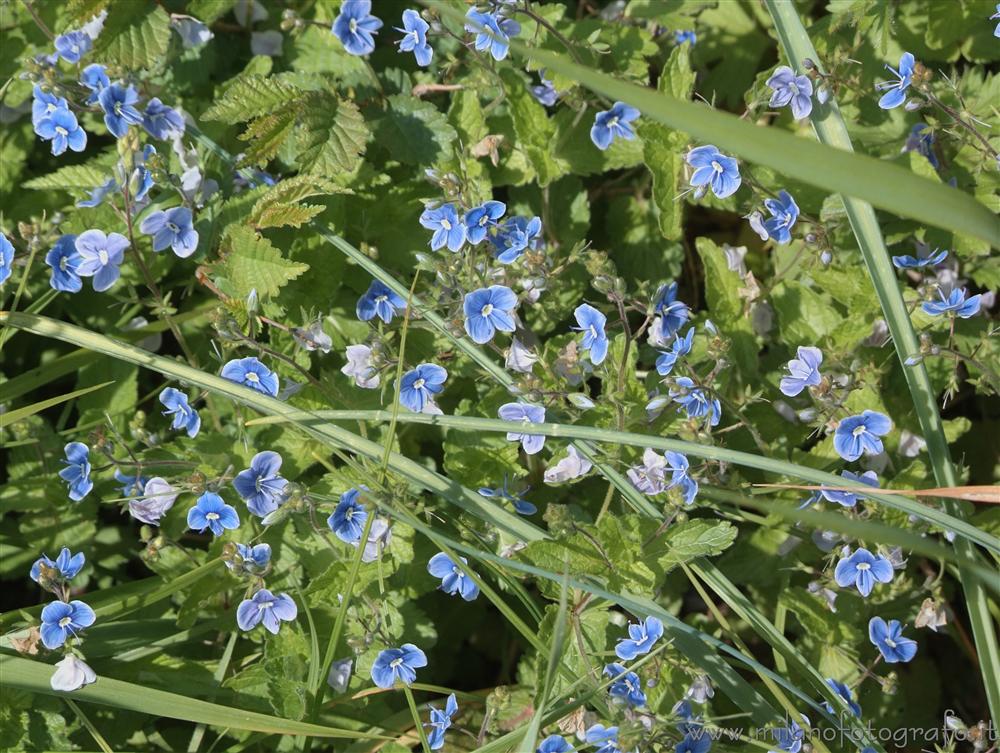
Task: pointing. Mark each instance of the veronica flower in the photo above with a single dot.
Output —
(860, 434)
(347, 521)
(64, 260)
(791, 89)
(415, 38)
(162, 122)
(355, 27)
(251, 373)
(71, 674)
(96, 79)
(72, 46)
(379, 301)
(449, 230)
(673, 314)
(591, 322)
(954, 303)
(118, 103)
(844, 692)
(454, 580)
(641, 637)
(98, 194)
(554, 744)
(695, 401)
(694, 741)
(173, 228)
(889, 640)
(158, 497)
(440, 722)
(521, 505)
(261, 485)
(515, 236)
(714, 169)
(680, 37)
(613, 124)
(479, 220)
(845, 498)
(789, 739)
(492, 32)
(100, 257)
(251, 560)
(863, 570)
(520, 358)
(418, 386)
(488, 310)
(916, 262)
(63, 130)
(921, 140)
(60, 620)
(895, 91)
(379, 538)
(43, 104)
(77, 470)
(64, 567)
(526, 414)
(193, 33)
(359, 367)
(994, 17)
(678, 465)
(681, 347)
(784, 212)
(627, 687)
(604, 738)
(572, 466)
(212, 513)
(649, 477)
(184, 416)
(401, 664)
(545, 92)
(803, 371)
(267, 608)
(131, 486)
(7, 259)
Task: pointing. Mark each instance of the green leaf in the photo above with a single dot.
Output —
(267, 133)
(251, 96)
(135, 36)
(535, 132)
(414, 131)
(252, 263)
(332, 135)
(85, 176)
(687, 541)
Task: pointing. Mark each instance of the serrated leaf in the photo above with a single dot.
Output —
(536, 134)
(266, 135)
(287, 215)
(251, 96)
(332, 136)
(278, 207)
(414, 131)
(134, 37)
(253, 263)
(72, 176)
(687, 541)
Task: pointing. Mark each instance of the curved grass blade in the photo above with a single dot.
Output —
(11, 417)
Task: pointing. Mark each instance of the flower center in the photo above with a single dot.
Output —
(381, 299)
(716, 166)
(173, 228)
(593, 331)
(864, 566)
(64, 263)
(265, 605)
(102, 255)
(487, 309)
(252, 377)
(458, 572)
(65, 621)
(396, 663)
(890, 643)
(419, 384)
(349, 515)
(212, 516)
(858, 431)
(61, 131)
(353, 25)
(445, 224)
(118, 108)
(613, 122)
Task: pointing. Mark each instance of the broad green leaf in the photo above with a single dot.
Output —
(535, 132)
(251, 96)
(332, 136)
(684, 542)
(135, 36)
(414, 131)
(252, 263)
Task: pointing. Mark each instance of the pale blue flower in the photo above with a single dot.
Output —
(77, 470)
(62, 129)
(418, 386)
(454, 580)
(72, 46)
(101, 257)
(713, 169)
(554, 744)
(695, 400)
(445, 221)
(791, 89)
(521, 505)
(44, 104)
(784, 212)
(921, 140)
(488, 310)
(526, 415)
(60, 620)
(379, 300)
(605, 739)
(440, 722)
(789, 739)
(251, 373)
(98, 194)
(665, 362)
(162, 122)
(680, 37)
(261, 485)
(184, 416)
(347, 521)
(679, 466)
(803, 371)
(916, 262)
(118, 103)
(174, 228)
(863, 570)
(7, 259)
(847, 499)
(492, 32)
(545, 92)
(96, 79)
(861, 434)
(954, 303)
(895, 91)
(63, 567)
(889, 640)
(613, 124)
(250, 559)
(400, 664)
(641, 637)
(355, 27)
(266, 608)
(673, 314)
(591, 322)
(515, 236)
(479, 220)
(844, 692)
(415, 37)
(211, 512)
(627, 687)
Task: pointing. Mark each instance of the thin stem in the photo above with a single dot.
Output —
(416, 719)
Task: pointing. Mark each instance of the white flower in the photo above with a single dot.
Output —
(570, 467)
(193, 32)
(157, 498)
(359, 367)
(520, 358)
(72, 674)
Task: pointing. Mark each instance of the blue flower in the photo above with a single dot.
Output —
(695, 401)
(347, 521)
(96, 79)
(72, 46)
(61, 128)
(251, 373)
(673, 313)
(554, 744)
(479, 220)
(98, 194)
(118, 103)
(844, 692)
(211, 512)
(921, 140)
(678, 465)
(682, 346)
(605, 738)
(680, 37)
(100, 257)
(857, 435)
(488, 310)
(955, 302)
(454, 580)
(401, 664)
(791, 89)
(714, 169)
(251, 559)
(66, 565)
(521, 505)
(612, 124)
(44, 104)
(355, 26)
(267, 608)
(162, 122)
(545, 92)
(784, 212)
(591, 322)
(184, 416)
(158, 497)
(863, 569)
(77, 470)
(131, 486)
(994, 17)
(789, 739)
(492, 33)
(142, 178)
(525, 414)
(415, 40)
(61, 620)
(889, 641)
(261, 485)
(803, 371)
(627, 687)
(914, 262)
(449, 230)
(379, 301)
(895, 91)
(516, 236)
(849, 499)
(174, 228)
(695, 741)
(641, 637)
(7, 259)
(418, 386)
(440, 722)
